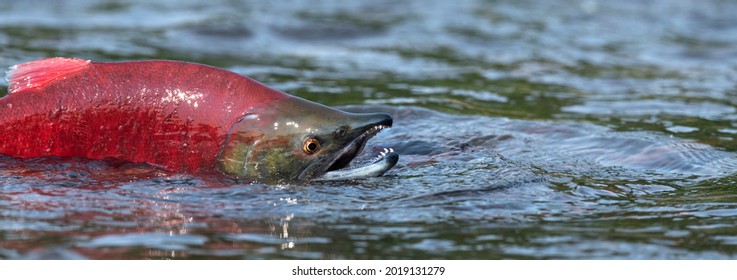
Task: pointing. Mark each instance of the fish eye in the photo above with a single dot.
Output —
(311, 145)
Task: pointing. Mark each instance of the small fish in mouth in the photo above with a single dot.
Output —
(183, 117)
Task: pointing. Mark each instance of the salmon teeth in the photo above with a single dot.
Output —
(383, 153)
(373, 130)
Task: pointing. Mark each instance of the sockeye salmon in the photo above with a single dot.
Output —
(183, 117)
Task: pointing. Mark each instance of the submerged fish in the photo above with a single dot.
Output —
(184, 117)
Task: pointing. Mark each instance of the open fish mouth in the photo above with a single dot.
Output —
(384, 161)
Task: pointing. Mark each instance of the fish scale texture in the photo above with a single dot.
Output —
(167, 113)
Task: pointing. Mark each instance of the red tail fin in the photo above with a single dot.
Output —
(36, 74)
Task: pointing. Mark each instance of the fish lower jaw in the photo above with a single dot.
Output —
(382, 163)
(349, 153)
(339, 170)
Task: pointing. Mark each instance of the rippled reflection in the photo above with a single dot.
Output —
(526, 129)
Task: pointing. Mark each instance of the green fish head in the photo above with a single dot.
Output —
(293, 139)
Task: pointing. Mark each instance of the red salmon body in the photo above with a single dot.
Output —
(166, 113)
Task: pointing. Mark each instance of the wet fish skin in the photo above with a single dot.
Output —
(176, 115)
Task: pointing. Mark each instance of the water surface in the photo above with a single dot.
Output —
(526, 129)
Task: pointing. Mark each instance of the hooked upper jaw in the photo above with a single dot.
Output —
(336, 169)
(360, 136)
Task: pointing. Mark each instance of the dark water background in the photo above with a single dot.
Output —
(527, 129)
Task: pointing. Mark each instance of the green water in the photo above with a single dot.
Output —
(526, 129)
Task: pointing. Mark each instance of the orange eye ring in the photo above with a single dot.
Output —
(311, 145)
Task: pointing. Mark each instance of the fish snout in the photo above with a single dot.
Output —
(363, 123)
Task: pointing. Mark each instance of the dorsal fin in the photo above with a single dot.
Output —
(36, 74)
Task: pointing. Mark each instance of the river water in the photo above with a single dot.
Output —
(526, 130)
